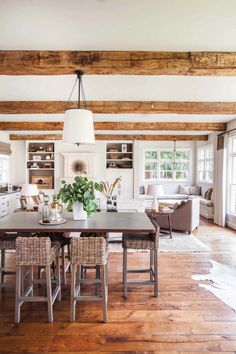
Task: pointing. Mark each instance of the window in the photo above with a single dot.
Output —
(158, 165)
(232, 175)
(205, 163)
(4, 169)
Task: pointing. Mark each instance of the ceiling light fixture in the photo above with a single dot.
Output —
(78, 123)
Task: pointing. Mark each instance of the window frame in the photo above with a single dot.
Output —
(204, 161)
(159, 161)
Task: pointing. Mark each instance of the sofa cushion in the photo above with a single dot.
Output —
(184, 190)
(206, 202)
(172, 203)
(208, 194)
(195, 190)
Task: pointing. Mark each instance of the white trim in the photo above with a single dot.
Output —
(159, 160)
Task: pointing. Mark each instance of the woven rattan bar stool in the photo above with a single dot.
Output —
(141, 242)
(89, 252)
(40, 252)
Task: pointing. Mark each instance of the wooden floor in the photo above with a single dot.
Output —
(184, 318)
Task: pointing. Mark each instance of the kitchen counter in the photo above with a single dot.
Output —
(9, 192)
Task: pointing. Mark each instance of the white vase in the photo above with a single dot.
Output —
(78, 211)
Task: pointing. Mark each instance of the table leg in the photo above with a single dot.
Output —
(170, 226)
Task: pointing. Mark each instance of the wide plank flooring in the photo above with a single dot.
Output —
(184, 318)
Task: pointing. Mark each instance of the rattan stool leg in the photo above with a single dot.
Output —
(72, 291)
(31, 279)
(125, 261)
(3, 258)
(58, 277)
(63, 266)
(156, 273)
(104, 292)
(18, 294)
(69, 256)
(49, 292)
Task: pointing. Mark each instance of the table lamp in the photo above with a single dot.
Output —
(28, 191)
(156, 190)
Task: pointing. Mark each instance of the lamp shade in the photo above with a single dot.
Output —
(29, 190)
(78, 127)
(155, 190)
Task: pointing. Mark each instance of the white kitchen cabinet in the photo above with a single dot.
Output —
(9, 203)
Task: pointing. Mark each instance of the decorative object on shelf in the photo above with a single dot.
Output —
(78, 124)
(112, 165)
(155, 190)
(36, 157)
(41, 149)
(113, 153)
(79, 167)
(49, 148)
(43, 182)
(32, 148)
(34, 165)
(80, 196)
(56, 210)
(47, 165)
(48, 157)
(108, 189)
(46, 210)
(124, 147)
(28, 191)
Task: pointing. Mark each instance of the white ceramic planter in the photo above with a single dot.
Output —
(78, 211)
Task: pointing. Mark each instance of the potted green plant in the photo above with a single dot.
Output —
(79, 196)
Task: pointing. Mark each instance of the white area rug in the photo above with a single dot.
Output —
(223, 285)
(179, 243)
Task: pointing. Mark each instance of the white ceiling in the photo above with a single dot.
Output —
(171, 25)
(120, 87)
(175, 25)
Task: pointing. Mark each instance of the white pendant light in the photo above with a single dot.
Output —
(78, 122)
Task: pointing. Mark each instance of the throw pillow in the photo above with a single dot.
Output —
(195, 190)
(184, 189)
(208, 193)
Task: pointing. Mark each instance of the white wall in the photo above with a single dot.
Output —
(18, 161)
(169, 187)
(100, 159)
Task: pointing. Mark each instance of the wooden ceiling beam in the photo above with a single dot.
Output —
(175, 126)
(111, 137)
(35, 62)
(119, 107)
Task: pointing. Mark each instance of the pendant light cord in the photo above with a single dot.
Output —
(72, 90)
(80, 90)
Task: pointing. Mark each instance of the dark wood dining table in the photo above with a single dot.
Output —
(131, 222)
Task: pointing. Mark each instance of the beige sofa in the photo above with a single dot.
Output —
(184, 218)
